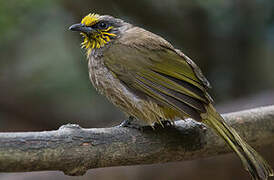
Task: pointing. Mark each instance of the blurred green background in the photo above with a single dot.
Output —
(44, 79)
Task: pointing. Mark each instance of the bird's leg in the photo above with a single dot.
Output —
(134, 123)
(163, 123)
(126, 122)
(167, 123)
(131, 122)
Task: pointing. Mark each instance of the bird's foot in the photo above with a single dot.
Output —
(163, 124)
(131, 123)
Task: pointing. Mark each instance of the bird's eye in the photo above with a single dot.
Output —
(102, 25)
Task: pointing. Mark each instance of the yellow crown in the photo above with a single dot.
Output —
(90, 19)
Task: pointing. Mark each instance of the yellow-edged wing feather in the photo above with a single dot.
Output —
(152, 66)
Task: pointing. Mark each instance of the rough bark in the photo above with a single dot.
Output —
(74, 150)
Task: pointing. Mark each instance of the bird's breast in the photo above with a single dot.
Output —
(110, 86)
(107, 84)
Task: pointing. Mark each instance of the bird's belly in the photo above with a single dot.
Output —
(107, 84)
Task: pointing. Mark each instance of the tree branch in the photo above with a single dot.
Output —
(74, 150)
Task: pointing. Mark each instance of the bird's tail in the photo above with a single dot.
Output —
(258, 168)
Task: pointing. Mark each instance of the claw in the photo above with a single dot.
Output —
(130, 123)
(127, 122)
(163, 124)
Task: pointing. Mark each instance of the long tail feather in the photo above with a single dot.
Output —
(258, 168)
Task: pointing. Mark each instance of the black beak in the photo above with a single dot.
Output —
(81, 27)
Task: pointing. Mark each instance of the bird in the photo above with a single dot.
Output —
(150, 80)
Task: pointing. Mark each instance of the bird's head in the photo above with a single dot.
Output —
(98, 31)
